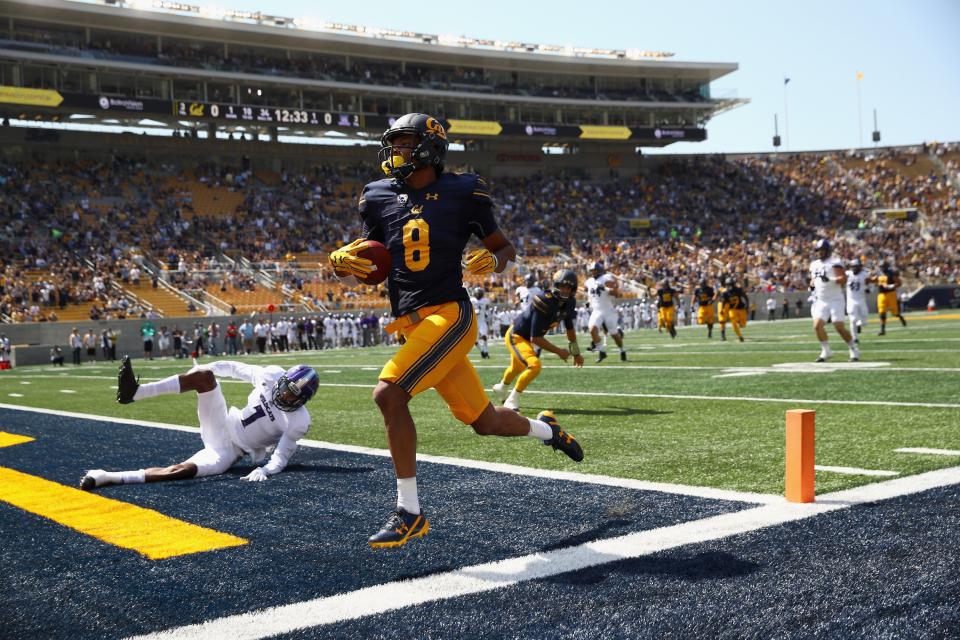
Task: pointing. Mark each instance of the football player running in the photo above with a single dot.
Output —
(857, 281)
(887, 283)
(704, 297)
(667, 308)
(602, 293)
(274, 416)
(737, 304)
(827, 279)
(425, 217)
(545, 312)
(481, 308)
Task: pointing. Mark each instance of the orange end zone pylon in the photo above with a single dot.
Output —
(800, 452)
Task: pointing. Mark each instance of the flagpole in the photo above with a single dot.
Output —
(786, 116)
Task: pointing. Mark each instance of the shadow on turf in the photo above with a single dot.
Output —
(306, 468)
(622, 412)
(705, 566)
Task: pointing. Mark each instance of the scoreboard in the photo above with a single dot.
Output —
(278, 115)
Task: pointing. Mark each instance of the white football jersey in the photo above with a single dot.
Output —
(525, 294)
(598, 291)
(481, 307)
(857, 285)
(829, 290)
(260, 424)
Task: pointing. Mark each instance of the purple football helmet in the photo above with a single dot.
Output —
(295, 387)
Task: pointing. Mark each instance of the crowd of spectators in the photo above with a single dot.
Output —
(753, 217)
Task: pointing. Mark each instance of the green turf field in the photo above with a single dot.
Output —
(690, 411)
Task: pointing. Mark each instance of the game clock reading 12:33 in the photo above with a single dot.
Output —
(269, 115)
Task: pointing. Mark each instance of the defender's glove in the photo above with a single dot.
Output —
(345, 259)
(480, 262)
(257, 475)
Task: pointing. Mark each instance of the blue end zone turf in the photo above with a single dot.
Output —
(883, 570)
(307, 529)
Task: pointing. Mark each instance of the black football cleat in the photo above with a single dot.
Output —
(561, 440)
(602, 355)
(399, 528)
(623, 356)
(127, 384)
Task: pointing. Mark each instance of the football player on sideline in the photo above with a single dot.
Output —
(827, 279)
(481, 308)
(602, 292)
(425, 217)
(857, 281)
(545, 312)
(888, 282)
(273, 417)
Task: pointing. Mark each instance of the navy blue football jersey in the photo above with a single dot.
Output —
(426, 231)
(545, 312)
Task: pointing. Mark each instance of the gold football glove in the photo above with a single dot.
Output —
(346, 260)
(480, 262)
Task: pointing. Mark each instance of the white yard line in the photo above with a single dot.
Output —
(496, 467)
(503, 573)
(853, 471)
(933, 452)
(668, 396)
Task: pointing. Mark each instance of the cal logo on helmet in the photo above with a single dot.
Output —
(433, 126)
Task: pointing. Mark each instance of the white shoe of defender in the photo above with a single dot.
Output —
(825, 355)
(854, 354)
(512, 402)
(501, 390)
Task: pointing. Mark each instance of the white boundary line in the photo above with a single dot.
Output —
(494, 575)
(496, 467)
(853, 471)
(669, 396)
(934, 452)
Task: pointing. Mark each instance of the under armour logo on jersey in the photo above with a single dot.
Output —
(432, 196)
(402, 198)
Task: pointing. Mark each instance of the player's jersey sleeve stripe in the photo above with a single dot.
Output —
(440, 349)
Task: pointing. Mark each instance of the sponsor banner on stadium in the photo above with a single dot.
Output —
(30, 97)
(115, 103)
(692, 134)
(474, 127)
(540, 130)
(604, 132)
(639, 223)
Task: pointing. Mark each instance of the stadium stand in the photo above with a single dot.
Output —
(744, 215)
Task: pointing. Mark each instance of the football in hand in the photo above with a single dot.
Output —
(379, 255)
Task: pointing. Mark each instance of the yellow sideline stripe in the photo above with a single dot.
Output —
(10, 439)
(118, 523)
